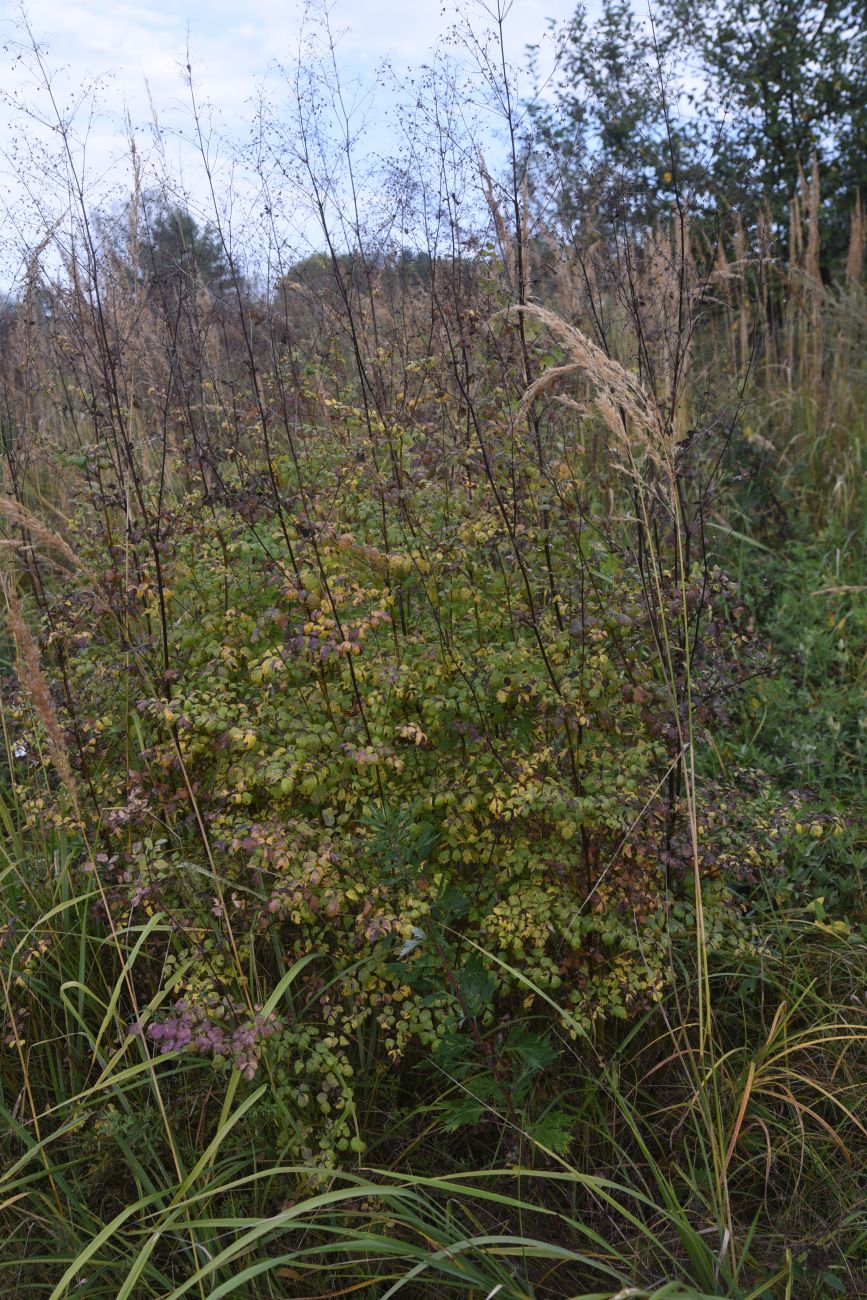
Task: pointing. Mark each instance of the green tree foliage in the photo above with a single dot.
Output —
(607, 141)
(733, 98)
(176, 249)
(790, 77)
(160, 242)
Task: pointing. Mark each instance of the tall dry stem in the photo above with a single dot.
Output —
(857, 241)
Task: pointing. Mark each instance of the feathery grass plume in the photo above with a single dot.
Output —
(33, 681)
(21, 517)
(627, 409)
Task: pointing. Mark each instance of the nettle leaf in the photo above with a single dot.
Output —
(477, 987)
(462, 1113)
(454, 1055)
(451, 905)
(398, 841)
(535, 1051)
(482, 1094)
(554, 1130)
(422, 849)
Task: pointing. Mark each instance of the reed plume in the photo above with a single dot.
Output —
(33, 681)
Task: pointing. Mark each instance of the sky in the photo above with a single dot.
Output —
(136, 53)
(234, 43)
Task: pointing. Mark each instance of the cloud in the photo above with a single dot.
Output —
(233, 47)
(137, 53)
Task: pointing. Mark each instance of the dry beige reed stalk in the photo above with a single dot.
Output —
(796, 233)
(857, 240)
(504, 236)
(794, 277)
(34, 682)
(563, 273)
(764, 238)
(740, 241)
(525, 230)
(812, 193)
(811, 340)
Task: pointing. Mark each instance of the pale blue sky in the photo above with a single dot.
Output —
(234, 43)
(138, 50)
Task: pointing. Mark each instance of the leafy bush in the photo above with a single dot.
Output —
(374, 754)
